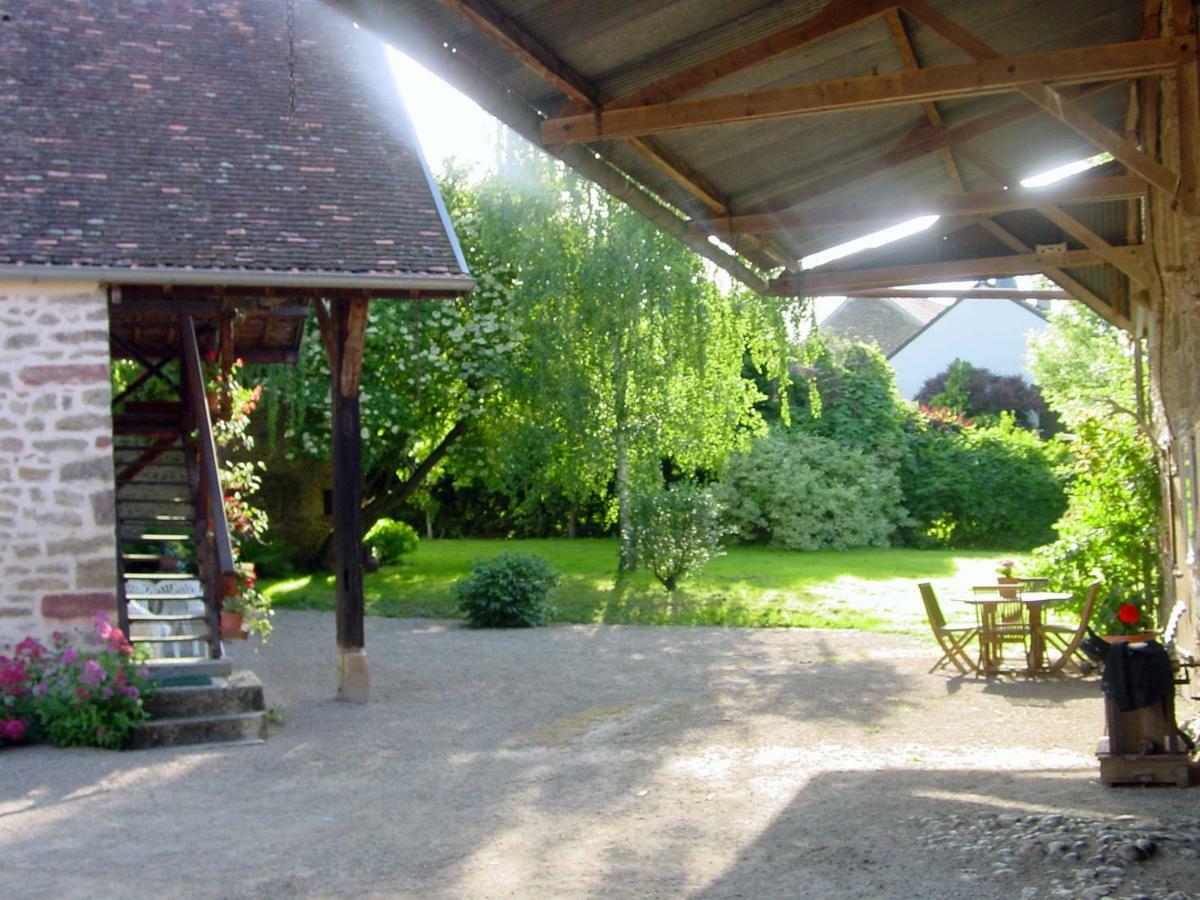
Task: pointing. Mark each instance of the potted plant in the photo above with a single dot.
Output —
(1126, 621)
(1007, 578)
(248, 610)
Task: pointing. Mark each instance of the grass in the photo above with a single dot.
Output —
(872, 589)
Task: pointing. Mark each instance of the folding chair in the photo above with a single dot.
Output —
(952, 639)
(1067, 638)
(1002, 623)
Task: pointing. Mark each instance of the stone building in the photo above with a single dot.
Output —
(183, 181)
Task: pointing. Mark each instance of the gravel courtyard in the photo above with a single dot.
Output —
(609, 761)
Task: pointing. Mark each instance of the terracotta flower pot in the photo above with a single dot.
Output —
(232, 626)
(1009, 587)
(1137, 638)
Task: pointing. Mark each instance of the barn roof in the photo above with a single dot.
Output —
(151, 141)
(784, 128)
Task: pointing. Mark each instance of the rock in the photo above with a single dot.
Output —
(1071, 857)
(1147, 846)
(1032, 849)
(1132, 852)
(1096, 892)
(1057, 848)
(1007, 820)
(1051, 821)
(1003, 872)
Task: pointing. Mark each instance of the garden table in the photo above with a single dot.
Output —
(1034, 602)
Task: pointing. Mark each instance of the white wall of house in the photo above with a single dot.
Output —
(989, 334)
(57, 537)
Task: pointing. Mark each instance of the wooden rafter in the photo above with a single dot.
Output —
(973, 203)
(836, 16)
(988, 76)
(539, 59)
(978, 293)
(919, 142)
(909, 55)
(815, 284)
(1053, 102)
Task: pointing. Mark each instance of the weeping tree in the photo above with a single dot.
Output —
(595, 352)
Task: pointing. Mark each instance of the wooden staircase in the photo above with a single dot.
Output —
(175, 563)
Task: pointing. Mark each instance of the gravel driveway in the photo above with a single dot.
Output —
(609, 761)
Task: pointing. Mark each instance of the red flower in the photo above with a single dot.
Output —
(1128, 613)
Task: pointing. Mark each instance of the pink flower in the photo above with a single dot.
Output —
(40, 690)
(69, 656)
(81, 691)
(131, 692)
(102, 626)
(93, 673)
(12, 730)
(143, 672)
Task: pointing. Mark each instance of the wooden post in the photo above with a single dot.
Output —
(348, 324)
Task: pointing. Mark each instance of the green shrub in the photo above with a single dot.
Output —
(1112, 526)
(806, 492)
(972, 486)
(509, 591)
(389, 540)
(676, 531)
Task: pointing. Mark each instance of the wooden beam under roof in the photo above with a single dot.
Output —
(990, 76)
(973, 203)
(1052, 101)
(974, 293)
(543, 62)
(824, 283)
(835, 17)
(919, 142)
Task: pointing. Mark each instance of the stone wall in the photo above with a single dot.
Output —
(57, 536)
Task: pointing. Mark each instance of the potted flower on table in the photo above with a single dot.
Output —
(1006, 577)
(1126, 621)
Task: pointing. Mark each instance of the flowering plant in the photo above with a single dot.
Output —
(1006, 568)
(71, 695)
(240, 481)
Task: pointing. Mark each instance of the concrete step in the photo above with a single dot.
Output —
(238, 693)
(230, 727)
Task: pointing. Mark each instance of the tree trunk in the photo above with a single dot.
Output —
(626, 560)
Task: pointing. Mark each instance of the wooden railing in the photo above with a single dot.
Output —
(218, 569)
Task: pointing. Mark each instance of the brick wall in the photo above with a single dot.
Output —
(57, 538)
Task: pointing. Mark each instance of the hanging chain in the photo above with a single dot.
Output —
(291, 56)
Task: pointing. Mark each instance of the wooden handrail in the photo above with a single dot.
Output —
(199, 421)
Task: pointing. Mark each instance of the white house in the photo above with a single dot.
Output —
(989, 334)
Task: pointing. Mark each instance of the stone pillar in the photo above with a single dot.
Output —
(58, 544)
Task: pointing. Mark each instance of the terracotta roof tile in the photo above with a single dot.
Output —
(156, 134)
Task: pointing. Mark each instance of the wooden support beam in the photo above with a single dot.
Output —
(822, 283)
(920, 141)
(909, 55)
(974, 203)
(835, 17)
(348, 319)
(1053, 102)
(989, 76)
(1076, 288)
(975, 293)
(531, 52)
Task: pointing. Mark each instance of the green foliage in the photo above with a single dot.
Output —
(390, 540)
(1112, 525)
(509, 591)
(981, 395)
(73, 693)
(676, 530)
(806, 492)
(851, 398)
(981, 486)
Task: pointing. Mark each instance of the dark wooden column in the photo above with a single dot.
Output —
(343, 329)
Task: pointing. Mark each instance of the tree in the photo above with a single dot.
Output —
(1112, 524)
(975, 392)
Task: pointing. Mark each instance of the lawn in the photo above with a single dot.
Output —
(872, 589)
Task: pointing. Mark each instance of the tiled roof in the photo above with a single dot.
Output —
(155, 134)
(882, 321)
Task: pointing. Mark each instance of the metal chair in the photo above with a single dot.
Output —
(1068, 638)
(952, 639)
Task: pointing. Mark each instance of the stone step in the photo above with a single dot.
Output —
(240, 692)
(232, 727)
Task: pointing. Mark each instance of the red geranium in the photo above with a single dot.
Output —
(1128, 614)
